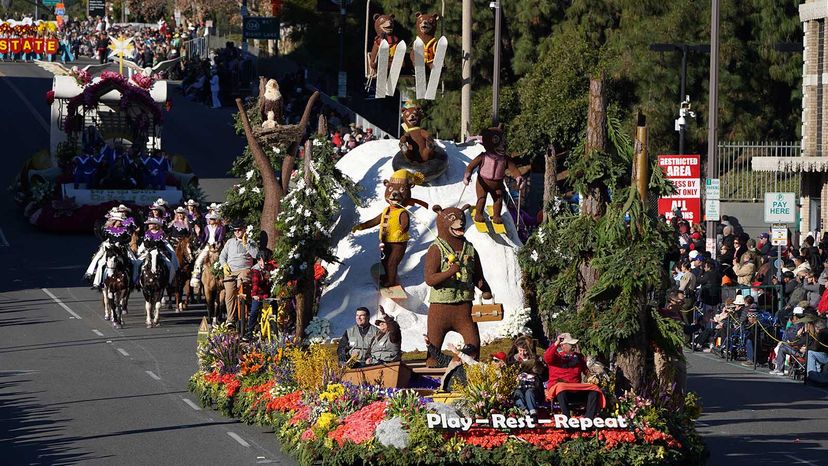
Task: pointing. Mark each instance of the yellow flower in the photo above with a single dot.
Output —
(325, 421)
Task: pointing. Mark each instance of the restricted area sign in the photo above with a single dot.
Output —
(779, 234)
(684, 171)
(261, 27)
(780, 207)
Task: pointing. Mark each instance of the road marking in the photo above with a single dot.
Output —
(27, 102)
(123, 351)
(152, 374)
(238, 438)
(60, 303)
(97, 332)
(190, 403)
(800, 460)
(3, 241)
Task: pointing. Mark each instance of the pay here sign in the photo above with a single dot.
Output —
(780, 207)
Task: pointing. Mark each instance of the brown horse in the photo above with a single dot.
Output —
(212, 285)
(181, 282)
(116, 285)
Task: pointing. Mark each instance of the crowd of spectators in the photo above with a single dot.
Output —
(737, 303)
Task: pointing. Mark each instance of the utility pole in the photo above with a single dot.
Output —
(243, 12)
(496, 75)
(342, 78)
(465, 89)
(712, 117)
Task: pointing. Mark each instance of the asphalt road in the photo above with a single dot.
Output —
(75, 390)
(751, 417)
(72, 388)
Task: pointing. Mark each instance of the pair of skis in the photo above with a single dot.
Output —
(483, 227)
(428, 89)
(387, 78)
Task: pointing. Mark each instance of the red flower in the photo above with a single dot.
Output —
(285, 403)
(483, 437)
(308, 435)
(359, 427)
(301, 415)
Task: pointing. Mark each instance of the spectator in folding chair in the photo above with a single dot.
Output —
(817, 348)
(566, 366)
(791, 342)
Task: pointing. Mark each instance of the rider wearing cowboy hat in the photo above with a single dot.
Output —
(154, 238)
(236, 258)
(114, 233)
(211, 234)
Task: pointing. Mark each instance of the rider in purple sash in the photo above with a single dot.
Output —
(155, 238)
(211, 235)
(115, 234)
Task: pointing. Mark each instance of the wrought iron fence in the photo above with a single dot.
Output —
(740, 183)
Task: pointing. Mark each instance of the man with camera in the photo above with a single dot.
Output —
(566, 366)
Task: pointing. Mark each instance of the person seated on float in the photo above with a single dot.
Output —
(236, 258)
(85, 167)
(260, 285)
(456, 365)
(529, 378)
(156, 168)
(211, 236)
(566, 366)
(386, 345)
(179, 227)
(114, 234)
(154, 238)
(355, 343)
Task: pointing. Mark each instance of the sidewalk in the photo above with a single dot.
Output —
(750, 417)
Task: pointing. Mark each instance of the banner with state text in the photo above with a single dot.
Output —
(29, 45)
(684, 171)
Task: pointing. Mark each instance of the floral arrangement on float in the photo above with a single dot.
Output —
(318, 418)
(131, 94)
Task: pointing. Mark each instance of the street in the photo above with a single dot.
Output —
(75, 390)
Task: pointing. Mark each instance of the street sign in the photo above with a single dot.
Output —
(50, 3)
(261, 27)
(712, 210)
(712, 190)
(779, 234)
(780, 207)
(96, 8)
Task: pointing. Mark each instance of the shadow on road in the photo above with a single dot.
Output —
(30, 433)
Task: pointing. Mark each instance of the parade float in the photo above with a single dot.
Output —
(382, 229)
(122, 118)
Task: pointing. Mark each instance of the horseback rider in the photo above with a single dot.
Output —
(236, 258)
(194, 215)
(179, 227)
(128, 222)
(114, 234)
(155, 238)
(212, 234)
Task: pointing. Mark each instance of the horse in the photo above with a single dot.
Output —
(154, 280)
(117, 284)
(181, 283)
(211, 285)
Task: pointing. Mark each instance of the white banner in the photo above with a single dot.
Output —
(135, 196)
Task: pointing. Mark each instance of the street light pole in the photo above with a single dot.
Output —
(496, 75)
(243, 12)
(683, 128)
(713, 111)
(465, 89)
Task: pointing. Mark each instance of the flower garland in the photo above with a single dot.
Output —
(109, 80)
